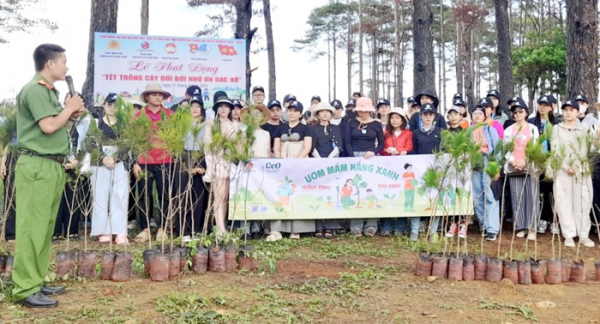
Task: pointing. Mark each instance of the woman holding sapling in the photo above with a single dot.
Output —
(398, 141)
(523, 186)
(218, 166)
(363, 138)
(292, 140)
(194, 156)
(573, 191)
(327, 140)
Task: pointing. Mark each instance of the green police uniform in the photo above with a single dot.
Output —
(39, 183)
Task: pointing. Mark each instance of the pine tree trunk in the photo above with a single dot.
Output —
(424, 63)
(459, 59)
(582, 49)
(270, 50)
(505, 73)
(243, 10)
(102, 19)
(469, 75)
(360, 47)
(334, 66)
(374, 69)
(443, 59)
(349, 49)
(145, 16)
(397, 86)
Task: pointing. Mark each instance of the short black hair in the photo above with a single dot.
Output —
(407, 165)
(357, 93)
(45, 53)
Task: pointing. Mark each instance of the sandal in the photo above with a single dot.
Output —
(122, 239)
(143, 237)
(370, 232)
(328, 234)
(357, 233)
(319, 234)
(104, 239)
(274, 236)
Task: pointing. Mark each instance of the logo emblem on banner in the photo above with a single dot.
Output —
(227, 50)
(193, 48)
(114, 45)
(145, 45)
(170, 48)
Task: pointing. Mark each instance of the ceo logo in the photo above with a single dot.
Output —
(145, 45)
(273, 166)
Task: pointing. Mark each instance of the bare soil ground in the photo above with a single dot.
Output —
(345, 280)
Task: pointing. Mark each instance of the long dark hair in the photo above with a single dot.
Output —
(229, 116)
(389, 129)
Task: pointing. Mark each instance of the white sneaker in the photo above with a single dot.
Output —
(522, 234)
(532, 236)
(569, 242)
(186, 239)
(555, 229)
(274, 236)
(586, 242)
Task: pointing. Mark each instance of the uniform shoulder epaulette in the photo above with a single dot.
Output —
(45, 84)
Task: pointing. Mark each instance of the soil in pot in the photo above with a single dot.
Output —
(511, 271)
(86, 267)
(564, 272)
(174, 264)
(246, 257)
(159, 270)
(578, 271)
(554, 275)
(2, 262)
(216, 259)
(455, 268)
(494, 270)
(597, 265)
(183, 257)
(9, 265)
(481, 263)
(231, 264)
(468, 268)
(200, 260)
(524, 272)
(65, 263)
(440, 266)
(538, 270)
(148, 256)
(108, 264)
(123, 266)
(424, 265)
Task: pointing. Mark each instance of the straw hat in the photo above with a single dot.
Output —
(154, 88)
(401, 112)
(262, 108)
(320, 107)
(364, 104)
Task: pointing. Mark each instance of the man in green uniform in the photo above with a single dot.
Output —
(39, 175)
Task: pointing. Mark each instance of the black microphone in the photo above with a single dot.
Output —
(69, 81)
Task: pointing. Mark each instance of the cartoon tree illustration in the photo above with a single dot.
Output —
(358, 184)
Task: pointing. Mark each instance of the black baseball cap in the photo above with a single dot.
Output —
(289, 97)
(258, 88)
(193, 90)
(315, 97)
(236, 103)
(197, 99)
(337, 104)
(485, 102)
(382, 102)
(111, 97)
(570, 103)
(519, 104)
(411, 100)
(544, 100)
(494, 93)
(428, 108)
(513, 100)
(458, 101)
(457, 95)
(274, 103)
(296, 105)
(351, 103)
(581, 97)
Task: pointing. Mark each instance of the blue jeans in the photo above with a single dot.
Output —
(387, 224)
(415, 225)
(487, 208)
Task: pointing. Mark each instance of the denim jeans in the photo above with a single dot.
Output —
(359, 224)
(387, 224)
(487, 208)
(415, 225)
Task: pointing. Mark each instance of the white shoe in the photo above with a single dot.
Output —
(555, 229)
(186, 239)
(586, 242)
(521, 234)
(274, 236)
(569, 242)
(532, 236)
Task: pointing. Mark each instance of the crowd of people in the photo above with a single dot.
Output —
(121, 187)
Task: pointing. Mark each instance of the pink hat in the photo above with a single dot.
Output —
(364, 104)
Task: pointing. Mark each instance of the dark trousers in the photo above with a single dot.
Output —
(72, 197)
(596, 200)
(10, 199)
(133, 208)
(195, 205)
(166, 177)
(546, 186)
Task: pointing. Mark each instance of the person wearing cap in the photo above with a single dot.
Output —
(109, 182)
(463, 110)
(573, 189)
(195, 164)
(350, 115)
(364, 138)
(327, 140)
(258, 95)
(292, 140)
(383, 109)
(237, 111)
(521, 182)
(544, 119)
(498, 114)
(426, 97)
(218, 168)
(397, 141)
(413, 107)
(455, 122)
(587, 114)
(156, 165)
(339, 111)
(489, 116)
(274, 121)
(511, 102)
(315, 100)
(487, 207)
(137, 105)
(191, 91)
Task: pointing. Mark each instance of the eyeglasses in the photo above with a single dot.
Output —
(520, 111)
(258, 95)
